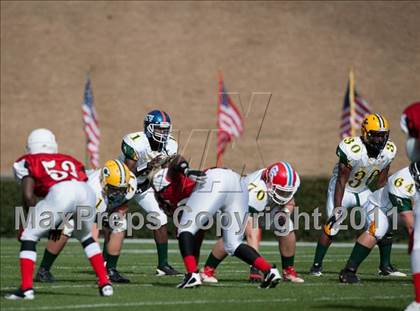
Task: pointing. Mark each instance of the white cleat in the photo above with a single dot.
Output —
(190, 280)
(391, 271)
(106, 290)
(414, 306)
(271, 279)
(28, 294)
(207, 276)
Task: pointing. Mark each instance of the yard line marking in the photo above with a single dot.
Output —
(196, 302)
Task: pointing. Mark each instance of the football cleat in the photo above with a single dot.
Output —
(316, 269)
(190, 280)
(117, 277)
(44, 276)
(27, 294)
(414, 306)
(290, 274)
(390, 271)
(166, 270)
(271, 278)
(255, 275)
(106, 290)
(207, 275)
(348, 276)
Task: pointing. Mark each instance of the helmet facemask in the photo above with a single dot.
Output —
(375, 141)
(414, 169)
(159, 132)
(280, 195)
(115, 195)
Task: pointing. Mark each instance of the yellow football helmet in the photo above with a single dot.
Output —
(115, 177)
(375, 132)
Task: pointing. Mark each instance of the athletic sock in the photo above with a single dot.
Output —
(212, 261)
(385, 247)
(186, 241)
(190, 264)
(111, 261)
(27, 259)
(250, 256)
(162, 250)
(261, 264)
(416, 282)
(93, 252)
(287, 261)
(48, 260)
(105, 252)
(358, 254)
(320, 252)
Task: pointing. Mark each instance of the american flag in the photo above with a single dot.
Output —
(361, 110)
(91, 126)
(229, 121)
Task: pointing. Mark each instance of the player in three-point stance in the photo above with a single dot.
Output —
(207, 193)
(60, 180)
(361, 161)
(269, 190)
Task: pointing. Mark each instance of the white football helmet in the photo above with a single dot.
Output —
(41, 141)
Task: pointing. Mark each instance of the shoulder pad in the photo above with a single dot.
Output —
(134, 144)
(401, 184)
(132, 187)
(350, 150)
(390, 150)
(257, 193)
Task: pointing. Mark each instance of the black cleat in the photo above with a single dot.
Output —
(316, 269)
(255, 275)
(271, 278)
(166, 270)
(27, 294)
(44, 276)
(117, 277)
(348, 276)
(390, 271)
(190, 280)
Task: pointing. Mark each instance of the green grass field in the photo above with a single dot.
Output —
(76, 289)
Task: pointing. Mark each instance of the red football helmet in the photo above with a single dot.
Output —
(282, 182)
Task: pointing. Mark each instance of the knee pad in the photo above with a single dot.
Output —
(68, 228)
(378, 232)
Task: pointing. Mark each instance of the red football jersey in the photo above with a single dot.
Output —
(172, 190)
(411, 120)
(48, 169)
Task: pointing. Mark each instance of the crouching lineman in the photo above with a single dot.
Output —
(398, 192)
(207, 193)
(61, 181)
(139, 151)
(114, 185)
(270, 189)
(361, 161)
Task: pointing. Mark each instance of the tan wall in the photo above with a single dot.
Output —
(166, 55)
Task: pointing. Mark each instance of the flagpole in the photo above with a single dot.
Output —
(219, 154)
(352, 103)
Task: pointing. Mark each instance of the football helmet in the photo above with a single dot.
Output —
(157, 126)
(41, 141)
(282, 182)
(415, 173)
(375, 132)
(115, 182)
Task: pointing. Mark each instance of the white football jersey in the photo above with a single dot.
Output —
(352, 151)
(399, 191)
(257, 191)
(136, 146)
(94, 181)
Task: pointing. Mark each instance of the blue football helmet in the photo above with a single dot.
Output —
(157, 126)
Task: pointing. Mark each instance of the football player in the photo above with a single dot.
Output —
(141, 151)
(410, 124)
(361, 161)
(60, 180)
(114, 185)
(269, 190)
(206, 193)
(398, 192)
